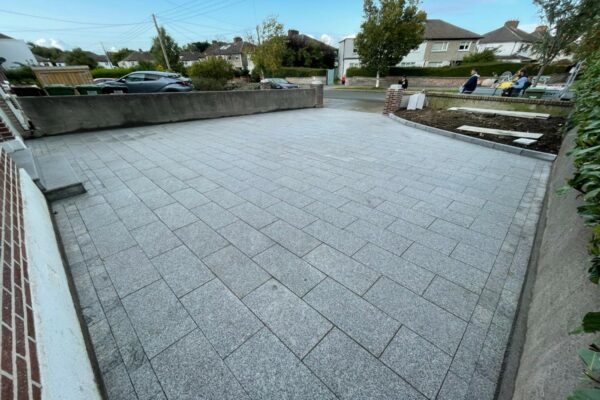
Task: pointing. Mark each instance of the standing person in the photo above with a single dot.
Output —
(470, 84)
(403, 82)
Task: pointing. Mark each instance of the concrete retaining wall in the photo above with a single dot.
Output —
(61, 114)
(552, 107)
(559, 295)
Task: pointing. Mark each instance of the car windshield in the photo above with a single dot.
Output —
(278, 80)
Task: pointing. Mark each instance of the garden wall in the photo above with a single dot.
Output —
(52, 115)
(447, 100)
(413, 81)
(556, 296)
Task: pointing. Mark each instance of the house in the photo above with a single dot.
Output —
(102, 60)
(189, 57)
(511, 43)
(134, 58)
(15, 52)
(238, 53)
(305, 48)
(43, 61)
(347, 56)
(443, 44)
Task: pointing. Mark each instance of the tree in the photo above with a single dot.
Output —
(268, 54)
(52, 53)
(79, 57)
(487, 55)
(196, 46)
(588, 44)
(171, 48)
(116, 56)
(388, 33)
(567, 21)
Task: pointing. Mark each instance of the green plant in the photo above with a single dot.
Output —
(22, 75)
(79, 57)
(485, 69)
(268, 55)
(172, 51)
(487, 55)
(390, 30)
(586, 180)
(207, 84)
(215, 68)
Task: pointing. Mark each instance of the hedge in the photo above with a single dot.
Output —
(485, 69)
(586, 180)
(20, 75)
(298, 72)
(111, 73)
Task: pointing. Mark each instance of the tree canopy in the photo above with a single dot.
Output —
(270, 50)
(79, 57)
(196, 46)
(567, 21)
(171, 48)
(116, 56)
(390, 30)
(487, 55)
(52, 53)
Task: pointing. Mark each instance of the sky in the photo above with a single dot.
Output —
(128, 23)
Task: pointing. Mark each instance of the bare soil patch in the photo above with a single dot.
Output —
(551, 128)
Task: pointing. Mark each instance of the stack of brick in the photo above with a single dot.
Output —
(393, 97)
(19, 368)
(5, 132)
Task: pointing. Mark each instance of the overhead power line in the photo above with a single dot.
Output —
(65, 20)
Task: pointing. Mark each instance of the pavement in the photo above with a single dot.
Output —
(354, 100)
(308, 254)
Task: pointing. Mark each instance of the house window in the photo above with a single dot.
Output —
(464, 46)
(407, 64)
(439, 46)
(354, 51)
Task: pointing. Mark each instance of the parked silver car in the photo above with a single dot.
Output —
(150, 82)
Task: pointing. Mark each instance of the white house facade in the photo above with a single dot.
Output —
(347, 56)
(510, 43)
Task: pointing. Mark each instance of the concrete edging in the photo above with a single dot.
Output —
(481, 142)
(65, 367)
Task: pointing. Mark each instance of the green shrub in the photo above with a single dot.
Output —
(586, 180)
(208, 84)
(214, 68)
(21, 75)
(298, 72)
(485, 69)
(111, 73)
(487, 55)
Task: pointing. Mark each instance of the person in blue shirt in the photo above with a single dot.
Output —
(519, 85)
(470, 84)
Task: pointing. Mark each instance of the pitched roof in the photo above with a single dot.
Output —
(3, 36)
(41, 59)
(224, 49)
(97, 57)
(190, 56)
(508, 34)
(437, 29)
(139, 56)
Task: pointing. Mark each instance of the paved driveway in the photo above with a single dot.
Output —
(306, 254)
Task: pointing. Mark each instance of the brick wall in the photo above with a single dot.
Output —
(5, 132)
(19, 369)
(393, 97)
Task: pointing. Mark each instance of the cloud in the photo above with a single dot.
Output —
(59, 44)
(325, 38)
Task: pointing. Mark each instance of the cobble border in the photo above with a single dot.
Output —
(481, 142)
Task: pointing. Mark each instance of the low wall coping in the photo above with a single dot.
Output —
(501, 99)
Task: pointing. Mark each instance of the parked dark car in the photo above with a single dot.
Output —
(150, 82)
(280, 83)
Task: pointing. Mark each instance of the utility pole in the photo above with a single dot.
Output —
(160, 40)
(110, 64)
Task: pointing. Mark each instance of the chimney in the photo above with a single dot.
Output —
(292, 33)
(541, 29)
(237, 39)
(513, 23)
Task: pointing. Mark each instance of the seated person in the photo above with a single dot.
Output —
(518, 86)
(403, 82)
(470, 84)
